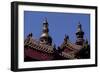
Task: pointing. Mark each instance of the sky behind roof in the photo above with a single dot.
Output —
(59, 25)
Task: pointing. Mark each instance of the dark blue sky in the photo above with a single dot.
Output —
(59, 25)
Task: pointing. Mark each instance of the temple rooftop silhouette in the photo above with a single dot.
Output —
(43, 49)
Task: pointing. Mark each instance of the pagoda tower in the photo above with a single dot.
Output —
(45, 38)
(79, 35)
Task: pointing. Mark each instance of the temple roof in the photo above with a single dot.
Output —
(66, 50)
(69, 49)
(33, 43)
(71, 45)
(74, 46)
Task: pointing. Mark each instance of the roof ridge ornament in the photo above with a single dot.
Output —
(45, 20)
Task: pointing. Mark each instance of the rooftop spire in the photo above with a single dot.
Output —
(45, 21)
(45, 38)
(79, 34)
(45, 30)
(79, 27)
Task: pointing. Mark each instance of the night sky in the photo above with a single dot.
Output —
(59, 25)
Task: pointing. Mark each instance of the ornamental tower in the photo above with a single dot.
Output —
(79, 35)
(45, 38)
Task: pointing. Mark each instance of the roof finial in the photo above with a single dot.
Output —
(30, 35)
(66, 37)
(45, 20)
(79, 27)
(79, 24)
